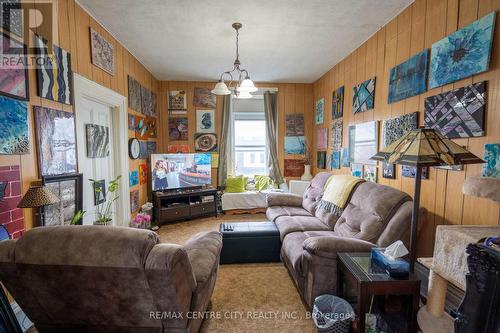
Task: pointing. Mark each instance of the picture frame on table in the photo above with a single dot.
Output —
(69, 189)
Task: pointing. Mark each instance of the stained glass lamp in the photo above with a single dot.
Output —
(423, 147)
(38, 197)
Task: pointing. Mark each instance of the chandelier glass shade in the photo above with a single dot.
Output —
(240, 84)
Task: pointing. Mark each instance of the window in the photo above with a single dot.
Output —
(249, 148)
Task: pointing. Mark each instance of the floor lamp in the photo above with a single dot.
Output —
(423, 147)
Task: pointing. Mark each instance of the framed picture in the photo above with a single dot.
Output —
(410, 172)
(134, 94)
(370, 173)
(177, 101)
(12, 17)
(97, 141)
(321, 159)
(14, 77)
(322, 138)
(338, 103)
(205, 121)
(14, 127)
(389, 170)
(134, 201)
(320, 111)
(54, 75)
(103, 52)
(205, 142)
(357, 170)
(99, 192)
(178, 129)
(363, 142)
(295, 125)
(56, 140)
(69, 190)
(408, 78)
(204, 98)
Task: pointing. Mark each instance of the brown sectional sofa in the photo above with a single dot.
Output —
(109, 279)
(376, 215)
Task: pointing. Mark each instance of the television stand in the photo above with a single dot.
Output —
(177, 206)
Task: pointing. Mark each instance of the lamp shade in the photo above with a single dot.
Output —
(243, 95)
(425, 147)
(221, 89)
(38, 196)
(247, 86)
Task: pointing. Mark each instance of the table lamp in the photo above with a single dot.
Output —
(423, 147)
(38, 197)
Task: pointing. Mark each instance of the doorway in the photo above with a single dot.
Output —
(98, 105)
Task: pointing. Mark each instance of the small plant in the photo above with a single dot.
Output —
(77, 217)
(104, 210)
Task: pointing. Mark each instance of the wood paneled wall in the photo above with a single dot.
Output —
(416, 29)
(73, 35)
(293, 98)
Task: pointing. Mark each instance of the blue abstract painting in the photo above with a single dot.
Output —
(363, 96)
(345, 158)
(492, 157)
(335, 160)
(295, 145)
(408, 78)
(463, 53)
(320, 111)
(14, 128)
(134, 178)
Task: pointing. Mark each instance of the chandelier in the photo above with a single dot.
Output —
(244, 86)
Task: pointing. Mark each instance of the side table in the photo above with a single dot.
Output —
(357, 271)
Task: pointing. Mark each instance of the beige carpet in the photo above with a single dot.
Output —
(247, 297)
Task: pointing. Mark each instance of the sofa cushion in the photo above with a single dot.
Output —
(274, 212)
(292, 251)
(371, 207)
(288, 224)
(312, 195)
(203, 250)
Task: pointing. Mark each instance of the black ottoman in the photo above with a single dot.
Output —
(250, 242)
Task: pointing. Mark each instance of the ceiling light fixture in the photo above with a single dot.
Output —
(244, 86)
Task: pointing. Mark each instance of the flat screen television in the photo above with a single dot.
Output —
(178, 171)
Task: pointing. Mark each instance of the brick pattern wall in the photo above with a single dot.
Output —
(11, 216)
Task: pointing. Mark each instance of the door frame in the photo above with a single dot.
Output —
(87, 89)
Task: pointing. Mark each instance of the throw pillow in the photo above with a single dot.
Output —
(235, 184)
(261, 182)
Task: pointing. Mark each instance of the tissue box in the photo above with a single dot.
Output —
(396, 268)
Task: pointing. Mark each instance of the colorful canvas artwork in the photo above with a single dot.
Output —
(131, 122)
(205, 142)
(133, 178)
(492, 157)
(295, 145)
(69, 190)
(143, 174)
(10, 176)
(97, 141)
(14, 127)
(357, 170)
(151, 147)
(293, 168)
(143, 150)
(328, 161)
(458, 113)
(363, 142)
(320, 111)
(56, 141)
(134, 201)
(463, 53)
(389, 170)
(395, 128)
(103, 52)
(205, 121)
(54, 75)
(146, 101)
(204, 98)
(178, 129)
(12, 16)
(144, 127)
(345, 158)
(295, 125)
(322, 138)
(321, 159)
(363, 96)
(337, 134)
(370, 173)
(134, 94)
(14, 76)
(335, 162)
(151, 127)
(338, 103)
(176, 148)
(177, 102)
(408, 78)
(410, 172)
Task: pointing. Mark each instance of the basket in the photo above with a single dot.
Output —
(332, 314)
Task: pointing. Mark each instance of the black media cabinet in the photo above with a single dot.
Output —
(184, 205)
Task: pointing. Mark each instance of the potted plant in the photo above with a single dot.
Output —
(307, 163)
(104, 210)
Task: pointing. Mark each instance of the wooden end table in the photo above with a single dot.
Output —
(357, 271)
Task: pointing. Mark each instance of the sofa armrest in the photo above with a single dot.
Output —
(284, 199)
(329, 246)
(203, 250)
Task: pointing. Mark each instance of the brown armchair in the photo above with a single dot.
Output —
(109, 279)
